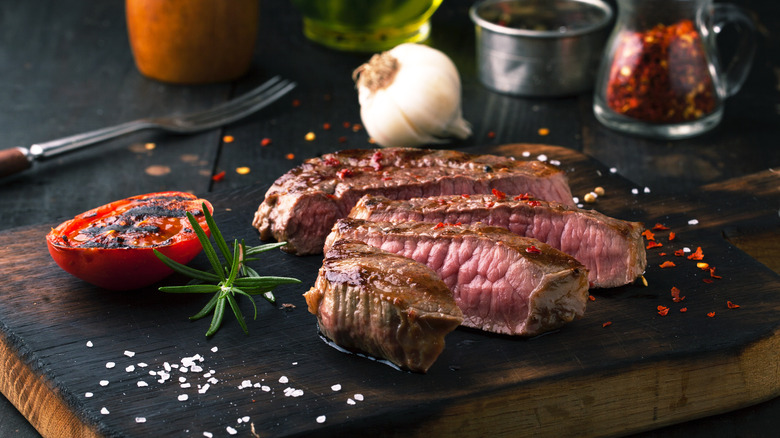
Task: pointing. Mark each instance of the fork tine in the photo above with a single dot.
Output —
(239, 107)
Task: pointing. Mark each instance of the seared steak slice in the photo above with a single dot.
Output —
(371, 301)
(503, 283)
(303, 204)
(611, 249)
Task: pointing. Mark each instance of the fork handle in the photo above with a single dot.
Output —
(13, 161)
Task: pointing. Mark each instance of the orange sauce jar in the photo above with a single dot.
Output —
(192, 41)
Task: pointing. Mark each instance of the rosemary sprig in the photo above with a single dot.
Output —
(232, 277)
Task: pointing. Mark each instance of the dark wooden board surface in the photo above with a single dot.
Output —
(641, 372)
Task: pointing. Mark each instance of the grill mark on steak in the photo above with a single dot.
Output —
(502, 282)
(611, 249)
(388, 306)
(303, 204)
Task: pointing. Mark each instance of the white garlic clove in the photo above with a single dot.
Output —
(410, 96)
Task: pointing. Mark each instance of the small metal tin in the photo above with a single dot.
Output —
(540, 47)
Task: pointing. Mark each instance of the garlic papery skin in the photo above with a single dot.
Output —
(410, 96)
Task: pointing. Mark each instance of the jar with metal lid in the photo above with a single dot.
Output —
(661, 75)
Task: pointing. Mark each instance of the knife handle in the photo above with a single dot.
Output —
(13, 160)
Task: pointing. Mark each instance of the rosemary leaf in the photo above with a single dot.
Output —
(191, 288)
(217, 235)
(237, 312)
(186, 270)
(211, 254)
(216, 320)
(207, 308)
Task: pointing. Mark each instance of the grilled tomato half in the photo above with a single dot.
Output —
(112, 246)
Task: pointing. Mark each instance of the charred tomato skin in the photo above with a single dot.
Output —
(119, 267)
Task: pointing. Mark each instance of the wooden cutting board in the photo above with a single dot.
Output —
(80, 361)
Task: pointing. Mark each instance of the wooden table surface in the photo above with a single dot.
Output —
(66, 67)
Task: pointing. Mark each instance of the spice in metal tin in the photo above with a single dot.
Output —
(661, 75)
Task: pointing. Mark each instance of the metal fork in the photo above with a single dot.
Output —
(18, 159)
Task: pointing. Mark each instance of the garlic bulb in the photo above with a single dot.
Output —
(410, 96)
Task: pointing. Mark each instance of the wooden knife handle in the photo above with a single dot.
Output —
(12, 161)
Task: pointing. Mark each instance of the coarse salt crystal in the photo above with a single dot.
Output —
(555, 162)
(142, 384)
(185, 385)
(207, 375)
(350, 401)
(183, 397)
(89, 344)
(183, 369)
(336, 387)
(208, 434)
(635, 191)
(129, 353)
(686, 249)
(647, 189)
(295, 363)
(213, 380)
(140, 419)
(541, 157)
(575, 199)
(245, 384)
(104, 411)
(130, 368)
(152, 372)
(142, 364)
(358, 397)
(88, 394)
(167, 366)
(526, 154)
(283, 379)
(266, 388)
(110, 365)
(196, 369)
(182, 379)
(693, 222)
(245, 418)
(613, 170)
(104, 383)
(231, 431)
(321, 419)
(214, 349)
(204, 388)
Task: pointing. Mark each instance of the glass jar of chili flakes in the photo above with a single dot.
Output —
(660, 76)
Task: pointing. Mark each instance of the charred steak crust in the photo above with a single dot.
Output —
(502, 282)
(612, 249)
(388, 306)
(303, 204)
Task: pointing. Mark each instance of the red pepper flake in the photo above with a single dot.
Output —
(331, 161)
(683, 309)
(667, 264)
(533, 250)
(703, 266)
(357, 127)
(648, 235)
(676, 295)
(491, 134)
(290, 156)
(661, 75)
(711, 314)
(672, 235)
(498, 194)
(607, 324)
(591, 297)
(265, 142)
(228, 139)
(346, 125)
(731, 305)
(679, 253)
(707, 280)
(712, 273)
(660, 227)
(543, 131)
(662, 254)
(523, 197)
(653, 244)
(376, 161)
(218, 177)
(326, 126)
(663, 311)
(296, 103)
(697, 255)
(342, 139)
(345, 173)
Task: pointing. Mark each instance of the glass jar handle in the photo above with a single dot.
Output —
(739, 66)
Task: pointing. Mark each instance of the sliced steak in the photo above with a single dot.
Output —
(503, 283)
(371, 301)
(303, 204)
(611, 249)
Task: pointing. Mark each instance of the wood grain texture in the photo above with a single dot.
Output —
(641, 372)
